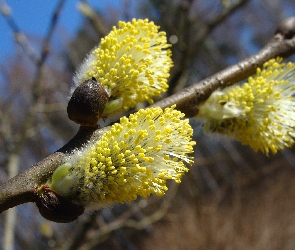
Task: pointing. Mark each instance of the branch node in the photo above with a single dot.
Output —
(287, 28)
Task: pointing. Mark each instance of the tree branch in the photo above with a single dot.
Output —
(21, 188)
(93, 17)
(190, 98)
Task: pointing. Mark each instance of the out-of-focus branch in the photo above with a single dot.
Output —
(13, 159)
(36, 87)
(93, 18)
(10, 216)
(125, 221)
(204, 31)
(200, 32)
(21, 188)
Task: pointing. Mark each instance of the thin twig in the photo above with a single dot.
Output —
(80, 233)
(131, 223)
(184, 28)
(178, 81)
(93, 17)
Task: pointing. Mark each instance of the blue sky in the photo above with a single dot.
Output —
(33, 18)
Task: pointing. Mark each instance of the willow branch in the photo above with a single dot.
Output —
(189, 99)
(21, 188)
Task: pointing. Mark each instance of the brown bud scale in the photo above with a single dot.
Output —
(87, 103)
(54, 207)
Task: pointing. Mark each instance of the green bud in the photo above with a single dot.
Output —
(112, 106)
(62, 182)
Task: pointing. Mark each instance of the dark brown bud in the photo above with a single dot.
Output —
(87, 103)
(287, 28)
(54, 207)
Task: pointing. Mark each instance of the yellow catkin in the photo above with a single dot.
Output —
(132, 63)
(259, 113)
(135, 157)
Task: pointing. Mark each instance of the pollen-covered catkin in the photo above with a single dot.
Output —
(134, 158)
(259, 113)
(132, 63)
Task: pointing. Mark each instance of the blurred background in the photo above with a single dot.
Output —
(232, 198)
